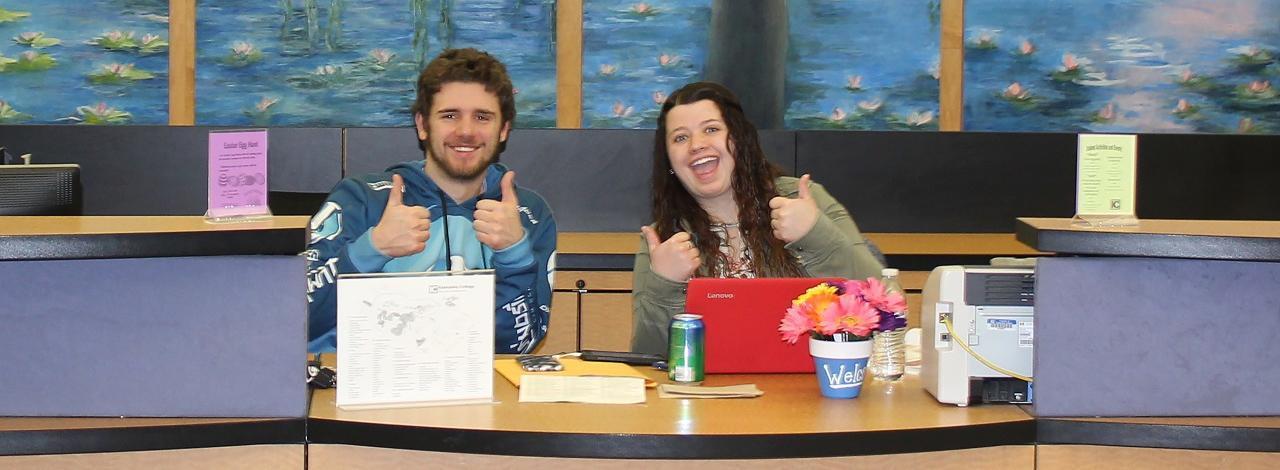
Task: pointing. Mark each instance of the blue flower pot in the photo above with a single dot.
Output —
(840, 366)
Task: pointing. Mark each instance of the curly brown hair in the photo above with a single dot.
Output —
(471, 66)
(675, 210)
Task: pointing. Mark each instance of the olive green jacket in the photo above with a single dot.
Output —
(833, 248)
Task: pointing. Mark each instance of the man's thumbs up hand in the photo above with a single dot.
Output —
(497, 223)
(792, 219)
(403, 230)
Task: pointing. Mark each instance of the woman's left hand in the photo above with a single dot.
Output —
(794, 218)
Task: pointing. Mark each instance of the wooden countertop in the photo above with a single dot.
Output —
(114, 225)
(597, 243)
(790, 420)
(96, 237)
(1251, 240)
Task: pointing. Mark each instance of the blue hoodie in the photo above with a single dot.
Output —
(341, 243)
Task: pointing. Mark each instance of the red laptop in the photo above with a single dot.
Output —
(742, 317)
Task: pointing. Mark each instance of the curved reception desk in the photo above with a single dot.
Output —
(897, 424)
(156, 318)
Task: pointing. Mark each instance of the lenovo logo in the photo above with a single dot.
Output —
(719, 295)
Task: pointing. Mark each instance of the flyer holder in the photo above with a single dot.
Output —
(237, 176)
(415, 339)
(1106, 180)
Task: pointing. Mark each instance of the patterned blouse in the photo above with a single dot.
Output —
(738, 267)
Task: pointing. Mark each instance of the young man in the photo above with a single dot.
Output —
(457, 209)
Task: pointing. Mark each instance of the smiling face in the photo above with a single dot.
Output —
(464, 129)
(700, 152)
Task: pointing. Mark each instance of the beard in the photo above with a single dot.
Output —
(459, 172)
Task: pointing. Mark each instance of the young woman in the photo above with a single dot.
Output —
(721, 209)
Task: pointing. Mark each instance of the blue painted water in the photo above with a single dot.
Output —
(888, 49)
(1140, 66)
(360, 72)
(892, 45)
(51, 95)
(635, 53)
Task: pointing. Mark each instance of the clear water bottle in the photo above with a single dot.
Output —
(888, 353)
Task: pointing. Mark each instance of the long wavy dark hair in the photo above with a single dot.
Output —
(675, 210)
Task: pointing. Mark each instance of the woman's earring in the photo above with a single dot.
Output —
(671, 171)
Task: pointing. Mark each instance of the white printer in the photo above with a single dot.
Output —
(990, 309)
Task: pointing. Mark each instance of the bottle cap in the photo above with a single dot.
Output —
(886, 272)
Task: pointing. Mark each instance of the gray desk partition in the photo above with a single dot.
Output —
(594, 179)
(161, 170)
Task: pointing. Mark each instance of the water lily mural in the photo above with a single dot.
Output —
(1122, 66)
(69, 61)
(634, 52)
(863, 65)
(851, 65)
(355, 62)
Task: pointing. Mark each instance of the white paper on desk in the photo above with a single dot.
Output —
(581, 389)
(415, 338)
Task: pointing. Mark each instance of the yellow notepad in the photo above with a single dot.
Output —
(511, 370)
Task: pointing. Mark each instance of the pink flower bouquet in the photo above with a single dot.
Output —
(851, 309)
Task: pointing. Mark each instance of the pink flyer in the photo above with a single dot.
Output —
(237, 174)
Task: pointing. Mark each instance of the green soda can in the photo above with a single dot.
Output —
(685, 363)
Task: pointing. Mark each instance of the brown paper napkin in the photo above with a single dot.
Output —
(687, 391)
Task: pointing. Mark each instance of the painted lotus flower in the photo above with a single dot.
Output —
(1072, 68)
(643, 9)
(608, 70)
(1015, 92)
(1246, 126)
(850, 308)
(242, 53)
(853, 83)
(32, 61)
(1026, 48)
(101, 114)
(116, 73)
(266, 103)
(151, 44)
(36, 39)
(837, 115)
(620, 110)
(919, 118)
(1260, 88)
(1188, 79)
(1106, 114)
(984, 39)
(381, 56)
(870, 106)
(261, 112)
(1184, 109)
(8, 115)
(1250, 56)
(327, 70)
(115, 40)
(668, 60)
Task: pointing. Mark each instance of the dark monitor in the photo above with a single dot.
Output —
(40, 190)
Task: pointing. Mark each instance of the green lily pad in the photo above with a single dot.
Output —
(7, 16)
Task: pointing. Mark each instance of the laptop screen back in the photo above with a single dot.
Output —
(742, 317)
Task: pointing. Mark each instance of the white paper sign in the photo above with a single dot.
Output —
(413, 339)
(1106, 177)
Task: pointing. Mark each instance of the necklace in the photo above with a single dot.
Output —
(726, 225)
